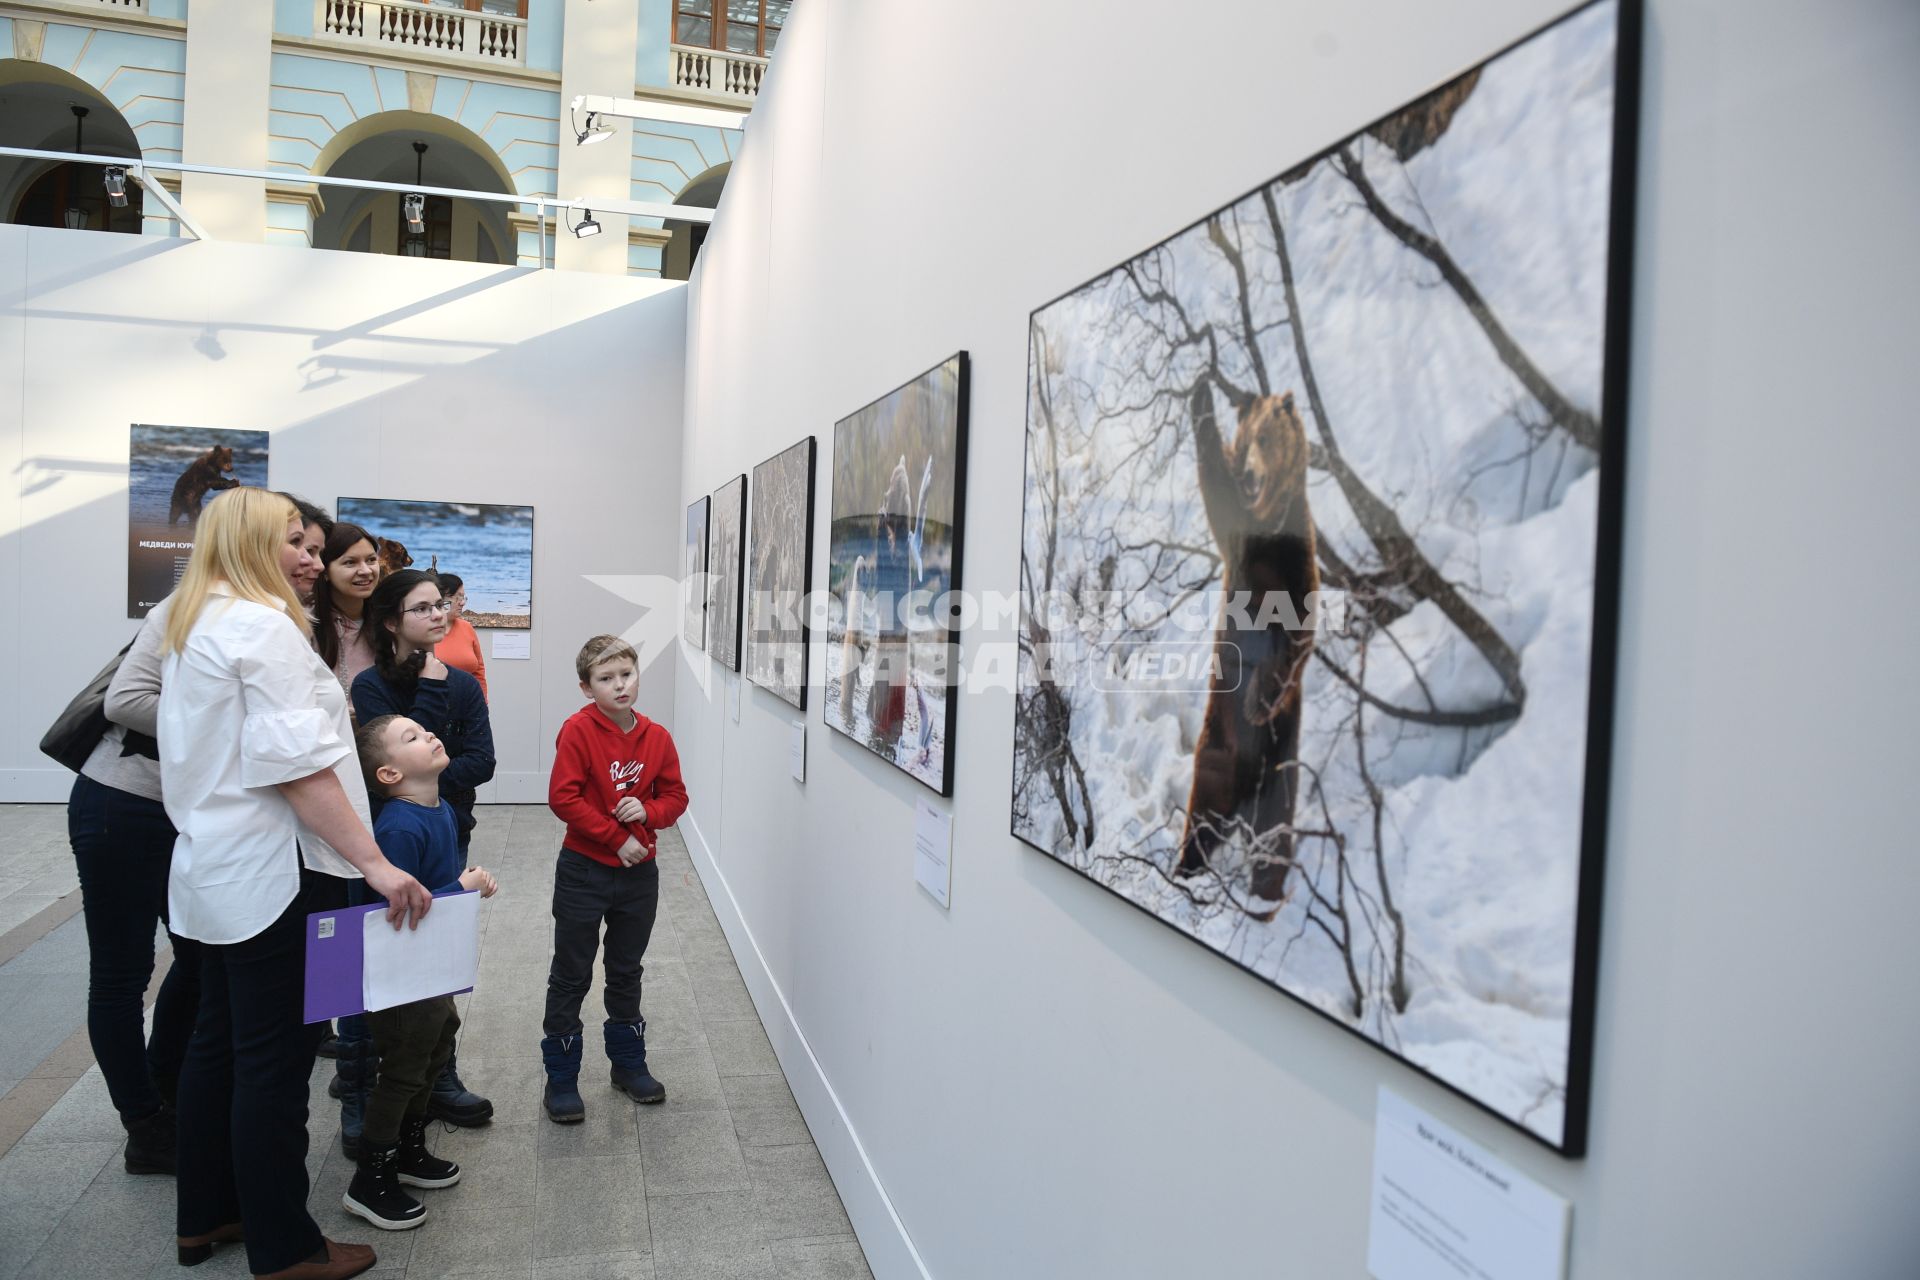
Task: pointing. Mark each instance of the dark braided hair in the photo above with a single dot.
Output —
(384, 607)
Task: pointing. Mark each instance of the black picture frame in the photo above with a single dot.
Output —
(726, 569)
(693, 605)
(845, 512)
(770, 530)
(1589, 821)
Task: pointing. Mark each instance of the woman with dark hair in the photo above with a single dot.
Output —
(316, 527)
(461, 648)
(406, 618)
(350, 569)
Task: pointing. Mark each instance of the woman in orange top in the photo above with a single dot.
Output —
(461, 648)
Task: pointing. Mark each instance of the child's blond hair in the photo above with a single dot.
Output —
(602, 649)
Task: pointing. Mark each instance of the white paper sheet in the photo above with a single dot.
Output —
(1445, 1207)
(933, 851)
(797, 752)
(436, 959)
(513, 644)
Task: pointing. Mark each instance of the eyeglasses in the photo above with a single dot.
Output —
(428, 610)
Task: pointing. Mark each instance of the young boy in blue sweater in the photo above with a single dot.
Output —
(417, 831)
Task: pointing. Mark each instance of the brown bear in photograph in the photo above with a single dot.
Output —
(210, 471)
(1245, 782)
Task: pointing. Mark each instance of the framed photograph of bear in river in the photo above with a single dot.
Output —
(172, 474)
(1319, 571)
(893, 556)
(489, 546)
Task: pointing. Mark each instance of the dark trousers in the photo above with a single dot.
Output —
(585, 893)
(243, 1097)
(415, 1042)
(123, 848)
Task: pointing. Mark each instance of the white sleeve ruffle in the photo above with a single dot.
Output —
(285, 746)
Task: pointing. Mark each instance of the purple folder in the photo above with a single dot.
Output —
(336, 962)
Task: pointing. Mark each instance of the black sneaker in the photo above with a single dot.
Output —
(418, 1166)
(375, 1194)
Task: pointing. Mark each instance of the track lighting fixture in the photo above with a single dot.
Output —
(116, 180)
(586, 226)
(597, 130)
(414, 206)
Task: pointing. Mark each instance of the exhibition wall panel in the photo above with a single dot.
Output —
(375, 377)
(1042, 1080)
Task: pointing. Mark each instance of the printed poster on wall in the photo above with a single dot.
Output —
(489, 546)
(172, 474)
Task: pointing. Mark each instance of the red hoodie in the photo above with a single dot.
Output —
(595, 766)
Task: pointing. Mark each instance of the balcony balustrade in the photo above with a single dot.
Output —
(402, 25)
(734, 76)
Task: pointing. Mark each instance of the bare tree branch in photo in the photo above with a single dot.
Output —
(1580, 425)
(1397, 549)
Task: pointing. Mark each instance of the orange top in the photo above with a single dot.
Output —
(461, 649)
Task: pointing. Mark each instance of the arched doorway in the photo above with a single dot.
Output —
(684, 249)
(412, 148)
(45, 109)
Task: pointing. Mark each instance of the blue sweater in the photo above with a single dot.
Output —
(423, 842)
(452, 710)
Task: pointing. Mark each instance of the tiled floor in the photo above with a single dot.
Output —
(721, 1181)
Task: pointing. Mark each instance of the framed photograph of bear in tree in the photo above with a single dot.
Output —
(781, 566)
(1319, 571)
(893, 558)
(726, 565)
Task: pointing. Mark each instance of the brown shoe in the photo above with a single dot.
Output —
(340, 1261)
(194, 1250)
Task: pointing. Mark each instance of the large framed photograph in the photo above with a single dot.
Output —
(173, 473)
(490, 546)
(1319, 571)
(782, 569)
(726, 571)
(893, 555)
(694, 588)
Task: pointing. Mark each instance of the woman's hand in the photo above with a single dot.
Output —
(433, 669)
(629, 810)
(406, 897)
(479, 878)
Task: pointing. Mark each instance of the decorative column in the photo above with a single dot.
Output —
(229, 71)
(599, 46)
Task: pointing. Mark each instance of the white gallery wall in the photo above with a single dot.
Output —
(1045, 1082)
(376, 377)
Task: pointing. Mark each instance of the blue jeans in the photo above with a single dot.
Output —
(123, 848)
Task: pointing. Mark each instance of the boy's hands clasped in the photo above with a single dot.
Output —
(479, 878)
(638, 848)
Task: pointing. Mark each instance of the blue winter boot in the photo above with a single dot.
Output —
(627, 1049)
(562, 1057)
(356, 1069)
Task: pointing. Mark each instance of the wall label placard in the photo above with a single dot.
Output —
(933, 852)
(1445, 1207)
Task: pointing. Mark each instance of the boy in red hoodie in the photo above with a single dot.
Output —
(616, 782)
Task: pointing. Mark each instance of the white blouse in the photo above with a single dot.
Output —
(246, 706)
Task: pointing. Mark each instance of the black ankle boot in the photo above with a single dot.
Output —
(453, 1102)
(151, 1142)
(375, 1194)
(418, 1166)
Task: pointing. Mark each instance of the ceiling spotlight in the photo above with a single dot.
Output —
(116, 179)
(586, 226)
(597, 130)
(414, 206)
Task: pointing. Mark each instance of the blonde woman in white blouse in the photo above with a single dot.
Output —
(257, 771)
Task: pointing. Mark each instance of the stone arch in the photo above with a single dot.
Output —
(380, 147)
(35, 102)
(703, 192)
